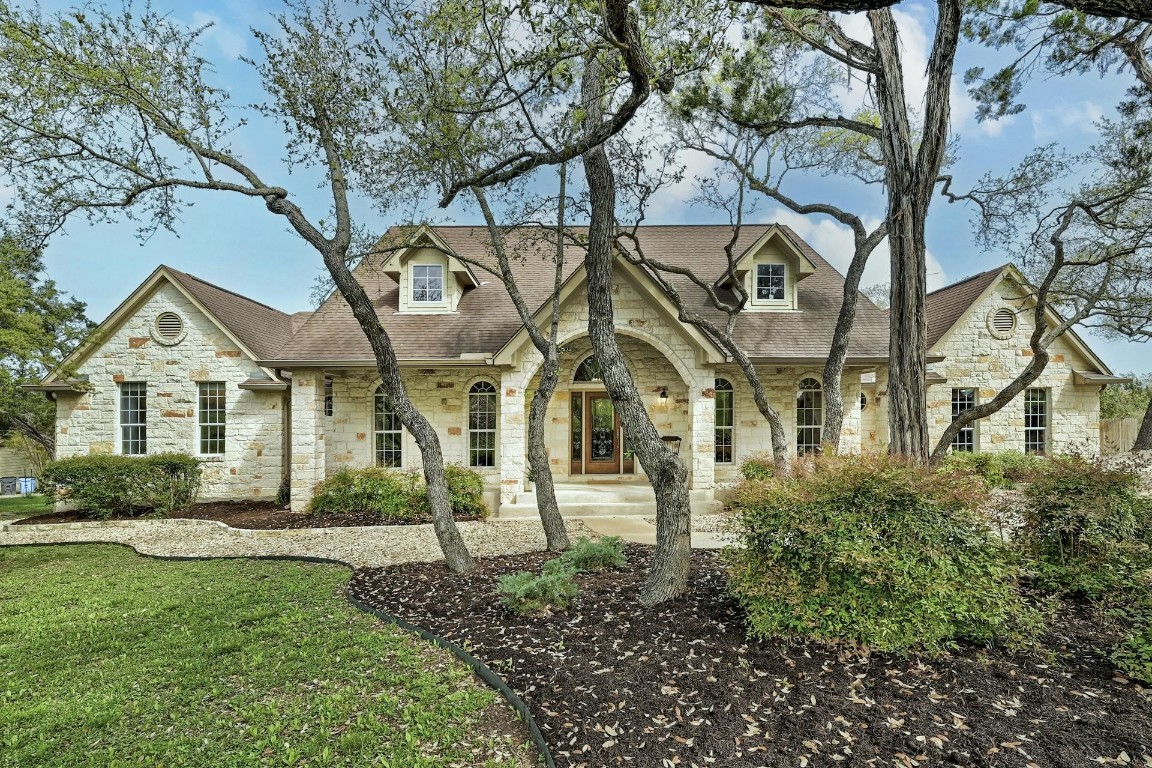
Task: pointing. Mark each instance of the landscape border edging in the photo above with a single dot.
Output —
(478, 667)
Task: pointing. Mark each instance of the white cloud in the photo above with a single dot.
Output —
(834, 242)
(1050, 124)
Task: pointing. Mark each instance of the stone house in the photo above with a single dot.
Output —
(261, 395)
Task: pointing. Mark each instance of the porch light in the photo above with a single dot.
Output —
(663, 393)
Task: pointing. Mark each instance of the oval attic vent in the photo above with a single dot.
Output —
(169, 325)
(1004, 321)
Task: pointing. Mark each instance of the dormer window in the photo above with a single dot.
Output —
(770, 283)
(427, 283)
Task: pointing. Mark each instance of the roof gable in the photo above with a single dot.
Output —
(247, 320)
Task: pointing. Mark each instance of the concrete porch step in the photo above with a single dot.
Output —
(613, 500)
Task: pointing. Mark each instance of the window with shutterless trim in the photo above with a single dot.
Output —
(725, 421)
(133, 418)
(482, 414)
(809, 416)
(387, 431)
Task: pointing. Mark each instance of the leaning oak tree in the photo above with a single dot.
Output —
(105, 114)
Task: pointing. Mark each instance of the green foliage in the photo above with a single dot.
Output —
(1087, 527)
(587, 555)
(1133, 655)
(105, 485)
(284, 492)
(758, 468)
(396, 495)
(1123, 401)
(218, 664)
(997, 470)
(871, 552)
(39, 326)
(525, 592)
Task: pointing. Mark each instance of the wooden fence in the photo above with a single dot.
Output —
(1118, 435)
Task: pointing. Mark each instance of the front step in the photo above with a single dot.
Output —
(580, 500)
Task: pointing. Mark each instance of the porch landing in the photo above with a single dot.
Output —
(596, 499)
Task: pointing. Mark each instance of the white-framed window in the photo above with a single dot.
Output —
(427, 283)
(725, 420)
(389, 433)
(134, 418)
(1036, 420)
(964, 399)
(211, 418)
(770, 282)
(809, 416)
(482, 414)
(329, 397)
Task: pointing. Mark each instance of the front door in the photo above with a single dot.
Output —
(602, 435)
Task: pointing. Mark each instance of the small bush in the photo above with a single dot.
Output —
(284, 492)
(524, 592)
(874, 553)
(1133, 656)
(395, 495)
(758, 468)
(106, 485)
(997, 470)
(1087, 528)
(590, 556)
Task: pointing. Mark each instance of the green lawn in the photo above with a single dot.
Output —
(114, 660)
(15, 507)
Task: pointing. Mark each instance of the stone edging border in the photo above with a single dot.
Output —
(479, 668)
(11, 526)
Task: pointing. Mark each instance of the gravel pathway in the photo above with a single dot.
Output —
(358, 547)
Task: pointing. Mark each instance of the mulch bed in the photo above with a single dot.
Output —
(611, 683)
(256, 515)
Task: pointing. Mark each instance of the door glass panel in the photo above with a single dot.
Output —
(603, 424)
(577, 426)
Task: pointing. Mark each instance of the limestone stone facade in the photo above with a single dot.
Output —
(87, 422)
(981, 357)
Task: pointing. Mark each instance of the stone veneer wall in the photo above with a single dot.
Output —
(441, 394)
(88, 423)
(976, 358)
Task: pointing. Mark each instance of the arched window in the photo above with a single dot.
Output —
(809, 417)
(482, 425)
(388, 431)
(589, 370)
(725, 420)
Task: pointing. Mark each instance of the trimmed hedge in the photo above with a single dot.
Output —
(396, 495)
(870, 552)
(106, 485)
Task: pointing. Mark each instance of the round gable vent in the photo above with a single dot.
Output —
(1002, 322)
(169, 328)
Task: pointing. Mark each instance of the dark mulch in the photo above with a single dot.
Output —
(611, 683)
(256, 515)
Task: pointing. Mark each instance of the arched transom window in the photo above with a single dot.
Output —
(588, 371)
(482, 412)
(725, 421)
(388, 432)
(809, 416)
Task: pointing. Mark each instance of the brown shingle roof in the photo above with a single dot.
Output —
(487, 319)
(261, 328)
(947, 305)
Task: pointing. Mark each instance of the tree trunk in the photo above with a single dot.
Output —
(1144, 436)
(555, 531)
(912, 167)
(841, 337)
(668, 577)
(456, 553)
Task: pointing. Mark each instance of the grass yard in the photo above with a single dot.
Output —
(111, 659)
(15, 507)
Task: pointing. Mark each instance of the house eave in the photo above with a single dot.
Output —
(1090, 377)
(412, 362)
(74, 386)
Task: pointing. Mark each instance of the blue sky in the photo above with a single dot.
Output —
(236, 243)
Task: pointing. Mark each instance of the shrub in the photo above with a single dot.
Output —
(395, 495)
(284, 492)
(106, 485)
(997, 470)
(871, 552)
(1087, 528)
(758, 468)
(588, 556)
(1133, 656)
(525, 592)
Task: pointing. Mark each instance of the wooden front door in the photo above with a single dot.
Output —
(601, 435)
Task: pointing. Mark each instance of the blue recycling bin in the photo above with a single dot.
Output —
(27, 485)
